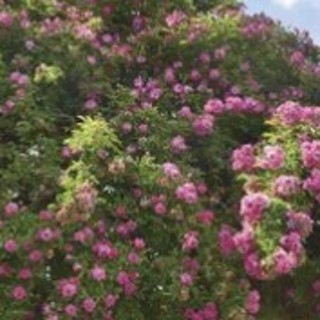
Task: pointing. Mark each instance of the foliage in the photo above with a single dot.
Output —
(158, 159)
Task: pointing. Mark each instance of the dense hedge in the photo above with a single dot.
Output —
(158, 160)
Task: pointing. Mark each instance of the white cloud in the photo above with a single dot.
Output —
(287, 4)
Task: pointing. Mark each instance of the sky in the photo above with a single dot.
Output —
(303, 14)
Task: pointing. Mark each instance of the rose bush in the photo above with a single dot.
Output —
(157, 161)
